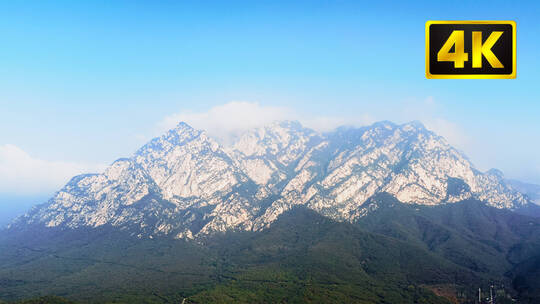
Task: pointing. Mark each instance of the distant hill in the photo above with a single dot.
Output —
(531, 190)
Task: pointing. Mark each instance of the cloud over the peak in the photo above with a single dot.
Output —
(20, 173)
(431, 114)
(226, 121)
(450, 131)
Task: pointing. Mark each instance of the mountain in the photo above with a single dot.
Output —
(186, 184)
(385, 213)
(531, 190)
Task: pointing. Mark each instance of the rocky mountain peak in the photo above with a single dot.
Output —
(413, 125)
(496, 172)
(271, 139)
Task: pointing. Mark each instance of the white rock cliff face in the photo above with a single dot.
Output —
(186, 185)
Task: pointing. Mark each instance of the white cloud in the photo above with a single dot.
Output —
(450, 131)
(224, 122)
(228, 120)
(431, 114)
(329, 123)
(22, 174)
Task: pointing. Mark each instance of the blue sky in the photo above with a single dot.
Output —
(84, 83)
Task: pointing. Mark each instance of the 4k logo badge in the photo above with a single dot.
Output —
(470, 49)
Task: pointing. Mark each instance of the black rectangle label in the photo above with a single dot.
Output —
(470, 49)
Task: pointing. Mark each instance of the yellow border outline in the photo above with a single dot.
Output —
(473, 76)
